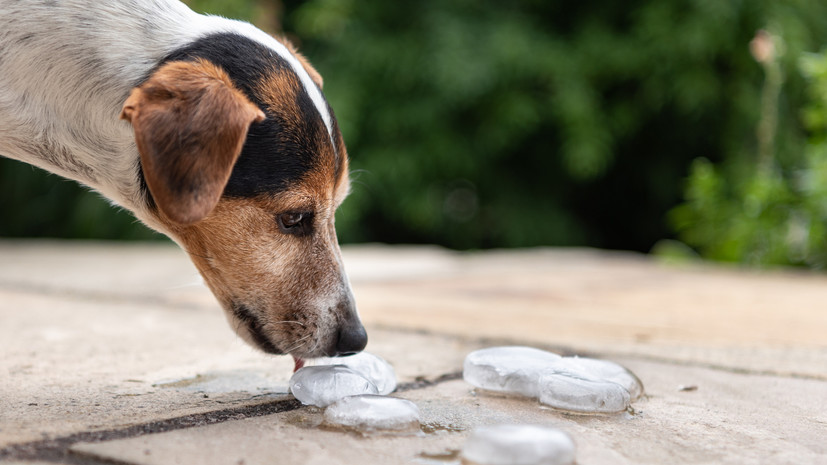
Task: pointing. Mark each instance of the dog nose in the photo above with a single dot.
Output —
(352, 339)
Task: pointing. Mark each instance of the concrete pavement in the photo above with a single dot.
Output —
(116, 353)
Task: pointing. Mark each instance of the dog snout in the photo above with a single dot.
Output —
(351, 337)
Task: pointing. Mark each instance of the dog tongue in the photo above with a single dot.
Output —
(298, 363)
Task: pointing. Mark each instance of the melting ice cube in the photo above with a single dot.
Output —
(582, 395)
(603, 370)
(513, 370)
(323, 385)
(583, 385)
(372, 413)
(372, 367)
(518, 444)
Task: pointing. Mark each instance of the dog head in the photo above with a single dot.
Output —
(245, 166)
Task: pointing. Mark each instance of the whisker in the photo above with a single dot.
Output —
(287, 322)
(315, 346)
(302, 341)
(358, 172)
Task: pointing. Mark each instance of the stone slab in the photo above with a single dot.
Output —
(99, 336)
(78, 365)
(730, 418)
(618, 303)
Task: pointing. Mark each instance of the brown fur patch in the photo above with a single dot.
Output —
(293, 286)
(190, 123)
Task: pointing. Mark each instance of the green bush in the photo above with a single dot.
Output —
(482, 123)
(766, 208)
(34, 203)
(477, 124)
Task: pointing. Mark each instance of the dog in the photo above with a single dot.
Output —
(209, 131)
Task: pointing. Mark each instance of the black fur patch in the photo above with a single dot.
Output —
(275, 155)
(254, 326)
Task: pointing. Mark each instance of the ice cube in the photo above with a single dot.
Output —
(372, 367)
(604, 370)
(373, 413)
(584, 385)
(582, 395)
(518, 445)
(323, 385)
(512, 369)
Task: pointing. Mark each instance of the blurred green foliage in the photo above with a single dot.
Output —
(769, 210)
(34, 203)
(475, 123)
(481, 123)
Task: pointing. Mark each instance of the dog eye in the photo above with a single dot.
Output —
(289, 220)
(294, 222)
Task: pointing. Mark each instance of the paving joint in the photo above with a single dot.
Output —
(567, 351)
(717, 367)
(57, 450)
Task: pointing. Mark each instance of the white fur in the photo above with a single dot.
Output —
(66, 68)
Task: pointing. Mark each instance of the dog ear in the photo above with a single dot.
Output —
(190, 124)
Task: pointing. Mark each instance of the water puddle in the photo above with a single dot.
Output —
(448, 457)
(226, 382)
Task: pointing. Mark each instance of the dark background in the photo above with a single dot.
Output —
(479, 124)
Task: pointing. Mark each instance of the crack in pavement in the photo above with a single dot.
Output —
(57, 450)
(725, 368)
(568, 351)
